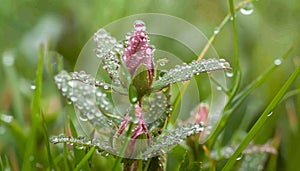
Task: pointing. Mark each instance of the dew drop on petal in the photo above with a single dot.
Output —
(106, 87)
(277, 61)
(247, 9)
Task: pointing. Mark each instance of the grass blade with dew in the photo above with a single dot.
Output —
(240, 97)
(262, 119)
(31, 145)
(85, 159)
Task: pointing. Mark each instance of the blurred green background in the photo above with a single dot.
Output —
(263, 36)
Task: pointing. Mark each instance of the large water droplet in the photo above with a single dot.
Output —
(32, 87)
(229, 74)
(6, 118)
(277, 62)
(247, 9)
(83, 118)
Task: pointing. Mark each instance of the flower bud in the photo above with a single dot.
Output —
(138, 52)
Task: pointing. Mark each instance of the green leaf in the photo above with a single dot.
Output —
(140, 80)
(133, 95)
(84, 162)
(108, 50)
(30, 147)
(79, 88)
(187, 71)
(168, 139)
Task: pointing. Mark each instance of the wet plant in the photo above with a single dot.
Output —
(132, 106)
(131, 69)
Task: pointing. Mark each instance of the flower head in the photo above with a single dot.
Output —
(138, 51)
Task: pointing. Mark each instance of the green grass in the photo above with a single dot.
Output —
(259, 86)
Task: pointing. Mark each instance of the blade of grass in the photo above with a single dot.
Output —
(85, 159)
(240, 97)
(262, 119)
(46, 136)
(236, 66)
(220, 27)
(205, 49)
(31, 144)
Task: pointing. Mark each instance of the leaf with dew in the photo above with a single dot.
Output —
(109, 51)
(187, 71)
(78, 88)
(169, 139)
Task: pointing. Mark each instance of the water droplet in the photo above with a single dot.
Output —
(54, 140)
(6, 118)
(32, 87)
(229, 74)
(162, 63)
(219, 88)
(105, 87)
(8, 58)
(271, 113)
(277, 62)
(247, 9)
(82, 118)
(73, 99)
(239, 157)
(72, 83)
(216, 30)
(139, 25)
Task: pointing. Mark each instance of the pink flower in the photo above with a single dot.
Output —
(201, 113)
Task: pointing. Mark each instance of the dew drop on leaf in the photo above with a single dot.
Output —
(229, 74)
(277, 62)
(239, 157)
(216, 30)
(270, 114)
(247, 9)
(32, 87)
(219, 88)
